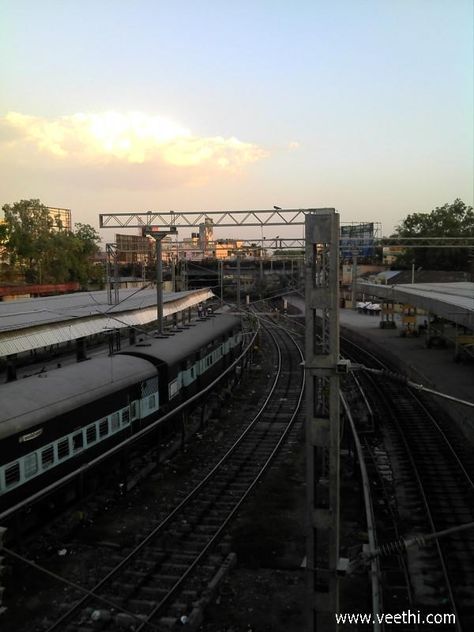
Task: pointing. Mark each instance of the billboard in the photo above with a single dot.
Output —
(359, 237)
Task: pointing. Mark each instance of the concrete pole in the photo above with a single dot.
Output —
(173, 275)
(322, 417)
(159, 287)
(238, 281)
(184, 281)
(221, 280)
(108, 251)
(354, 280)
(116, 278)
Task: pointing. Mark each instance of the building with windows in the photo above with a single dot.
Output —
(134, 249)
(391, 254)
(206, 233)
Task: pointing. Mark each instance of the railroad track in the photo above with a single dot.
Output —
(163, 577)
(432, 482)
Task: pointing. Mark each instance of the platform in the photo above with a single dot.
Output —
(434, 368)
(452, 301)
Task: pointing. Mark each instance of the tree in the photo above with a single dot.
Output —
(43, 250)
(28, 229)
(85, 245)
(449, 220)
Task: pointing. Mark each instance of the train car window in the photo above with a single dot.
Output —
(151, 402)
(134, 409)
(114, 422)
(47, 457)
(192, 373)
(77, 441)
(63, 448)
(173, 388)
(12, 474)
(91, 434)
(125, 417)
(150, 386)
(103, 428)
(30, 465)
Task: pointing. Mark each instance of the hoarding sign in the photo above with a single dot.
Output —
(358, 237)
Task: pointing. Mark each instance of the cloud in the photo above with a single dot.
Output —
(294, 145)
(132, 138)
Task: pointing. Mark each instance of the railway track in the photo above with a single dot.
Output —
(164, 577)
(429, 473)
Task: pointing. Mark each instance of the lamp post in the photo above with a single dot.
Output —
(158, 236)
(355, 252)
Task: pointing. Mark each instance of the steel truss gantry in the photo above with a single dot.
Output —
(192, 219)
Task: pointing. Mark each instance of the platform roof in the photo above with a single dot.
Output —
(34, 323)
(452, 301)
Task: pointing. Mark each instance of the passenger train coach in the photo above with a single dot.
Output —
(54, 422)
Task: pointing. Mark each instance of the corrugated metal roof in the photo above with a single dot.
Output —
(34, 323)
(387, 274)
(453, 301)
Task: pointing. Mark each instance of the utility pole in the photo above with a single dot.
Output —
(184, 277)
(173, 273)
(355, 252)
(221, 280)
(238, 281)
(322, 417)
(158, 236)
(112, 256)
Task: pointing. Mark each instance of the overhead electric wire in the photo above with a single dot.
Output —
(403, 379)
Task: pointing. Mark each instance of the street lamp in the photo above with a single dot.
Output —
(158, 236)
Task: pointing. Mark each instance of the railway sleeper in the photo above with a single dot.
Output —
(238, 487)
(141, 606)
(155, 551)
(164, 580)
(213, 522)
(223, 505)
(167, 623)
(179, 608)
(183, 559)
(154, 592)
(193, 547)
(173, 568)
(122, 589)
(205, 529)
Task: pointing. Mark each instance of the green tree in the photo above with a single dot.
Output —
(71, 254)
(28, 229)
(85, 246)
(449, 220)
(43, 250)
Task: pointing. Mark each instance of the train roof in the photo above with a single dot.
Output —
(176, 348)
(34, 400)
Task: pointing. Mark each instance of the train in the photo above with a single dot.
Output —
(55, 422)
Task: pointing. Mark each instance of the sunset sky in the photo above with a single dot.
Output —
(361, 105)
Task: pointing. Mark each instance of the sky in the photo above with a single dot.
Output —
(116, 106)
